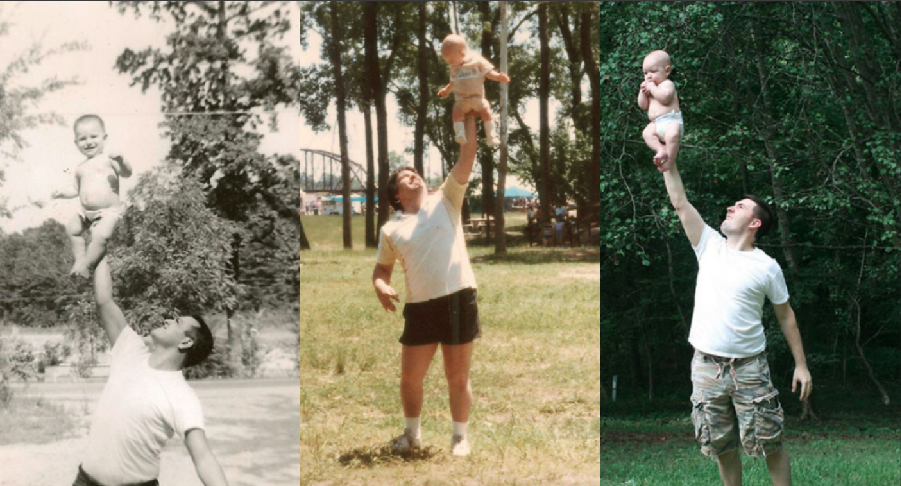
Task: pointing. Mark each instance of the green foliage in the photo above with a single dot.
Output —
(35, 290)
(172, 252)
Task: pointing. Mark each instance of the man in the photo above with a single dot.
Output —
(440, 308)
(146, 399)
(733, 397)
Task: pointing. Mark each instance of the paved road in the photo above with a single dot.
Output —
(253, 427)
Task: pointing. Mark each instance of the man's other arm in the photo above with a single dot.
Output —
(208, 468)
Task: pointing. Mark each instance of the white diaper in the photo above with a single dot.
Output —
(663, 122)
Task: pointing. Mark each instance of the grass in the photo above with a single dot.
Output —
(33, 421)
(535, 372)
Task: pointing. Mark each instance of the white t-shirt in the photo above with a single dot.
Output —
(469, 77)
(430, 246)
(729, 297)
(139, 409)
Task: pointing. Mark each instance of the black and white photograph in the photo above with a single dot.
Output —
(149, 243)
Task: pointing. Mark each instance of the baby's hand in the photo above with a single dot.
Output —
(54, 195)
(114, 155)
(443, 92)
(503, 78)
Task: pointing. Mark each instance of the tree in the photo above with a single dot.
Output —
(172, 251)
(335, 51)
(223, 65)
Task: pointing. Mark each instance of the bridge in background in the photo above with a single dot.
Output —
(321, 172)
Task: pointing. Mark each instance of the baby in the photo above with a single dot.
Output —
(468, 71)
(658, 95)
(97, 185)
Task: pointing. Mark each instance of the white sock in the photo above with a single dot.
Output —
(460, 428)
(459, 131)
(412, 424)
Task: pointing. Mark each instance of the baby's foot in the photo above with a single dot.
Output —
(80, 270)
(460, 137)
(660, 159)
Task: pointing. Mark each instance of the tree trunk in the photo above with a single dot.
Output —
(340, 102)
(371, 239)
(373, 78)
(594, 82)
(423, 110)
(544, 88)
(486, 157)
(500, 246)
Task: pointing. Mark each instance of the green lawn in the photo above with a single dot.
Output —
(535, 373)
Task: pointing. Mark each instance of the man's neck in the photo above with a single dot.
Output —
(166, 359)
(744, 242)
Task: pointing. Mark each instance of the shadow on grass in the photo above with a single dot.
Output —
(535, 256)
(368, 457)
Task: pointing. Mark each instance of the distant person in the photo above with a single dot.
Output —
(468, 71)
(733, 398)
(657, 95)
(532, 213)
(96, 183)
(440, 307)
(146, 399)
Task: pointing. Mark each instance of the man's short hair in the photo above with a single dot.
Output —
(391, 188)
(764, 213)
(90, 116)
(203, 342)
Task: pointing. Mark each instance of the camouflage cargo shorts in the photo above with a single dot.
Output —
(734, 402)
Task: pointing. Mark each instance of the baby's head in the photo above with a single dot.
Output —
(453, 49)
(656, 66)
(90, 135)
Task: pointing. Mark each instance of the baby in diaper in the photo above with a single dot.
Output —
(658, 95)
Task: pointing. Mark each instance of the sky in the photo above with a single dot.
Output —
(132, 118)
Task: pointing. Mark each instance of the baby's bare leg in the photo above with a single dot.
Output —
(488, 125)
(75, 230)
(650, 137)
(101, 232)
(673, 137)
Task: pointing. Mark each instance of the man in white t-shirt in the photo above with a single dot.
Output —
(440, 307)
(146, 399)
(734, 401)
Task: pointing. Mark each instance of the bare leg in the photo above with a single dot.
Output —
(780, 468)
(457, 360)
(650, 137)
(730, 468)
(488, 125)
(100, 235)
(75, 230)
(414, 364)
(673, 137)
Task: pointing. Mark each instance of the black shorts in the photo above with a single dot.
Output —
(451, 319)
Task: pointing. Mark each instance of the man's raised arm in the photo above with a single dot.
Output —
(691, 220)
(463, 168)
(111, 317)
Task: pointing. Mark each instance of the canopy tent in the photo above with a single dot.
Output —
(514, 191)
(352, 198)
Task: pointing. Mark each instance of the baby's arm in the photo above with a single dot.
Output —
(643, 101)
(67, 192)
(664, 92)
(446, 90)
(498, 76)
(120, 165)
